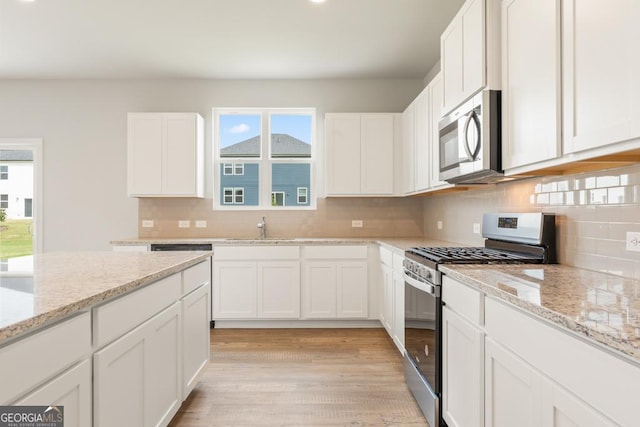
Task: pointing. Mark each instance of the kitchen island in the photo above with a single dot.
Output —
(92, 331)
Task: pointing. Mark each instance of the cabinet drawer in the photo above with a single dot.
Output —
(194, 277)
(335, 252)
(246, 253)
(44, 355)
(606, 382)
(463, 300)
(115, 318)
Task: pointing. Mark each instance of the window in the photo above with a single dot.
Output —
(268, 153)
(302, 195)
(233, 196)
(4, 201)
(4, 172)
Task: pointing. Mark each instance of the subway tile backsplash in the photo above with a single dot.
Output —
(594, 212)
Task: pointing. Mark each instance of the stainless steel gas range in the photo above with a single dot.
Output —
(520, 238)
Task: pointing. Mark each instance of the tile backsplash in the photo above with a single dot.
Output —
(382, 217)
(594, 212)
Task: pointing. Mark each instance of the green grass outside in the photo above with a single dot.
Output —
(15, 238)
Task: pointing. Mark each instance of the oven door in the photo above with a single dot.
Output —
(422, 329)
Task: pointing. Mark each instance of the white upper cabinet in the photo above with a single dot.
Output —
(421, 138)
(165, 155)
(360, 151)
(601, 73)
(408, 149)
(530, 82)
(470, 49)
(436, 105)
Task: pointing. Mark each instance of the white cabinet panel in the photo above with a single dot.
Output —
(386, 293)
(72, 390)
(462, 371)
(352, 300)
(360, 153)
(513, 390)
(422, 120)
(320, 290)
(531, 79)
(408, 148)
(195, 336)
(436, 106)
(139, 374)
(279, 290)
(235, 290)
(165, 155)
(601, 69)
(563, 409)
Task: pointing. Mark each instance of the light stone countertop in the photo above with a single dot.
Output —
(599, 307)
(64, 283)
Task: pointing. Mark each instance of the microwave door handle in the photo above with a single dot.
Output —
(472, 155)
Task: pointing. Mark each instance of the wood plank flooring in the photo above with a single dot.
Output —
(301, 377)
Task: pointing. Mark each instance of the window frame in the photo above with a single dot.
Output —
(4, 172)
(306, 195)
(265, 160)
(3, 202)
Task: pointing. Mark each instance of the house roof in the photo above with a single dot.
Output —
(282, 145)
(16, 155)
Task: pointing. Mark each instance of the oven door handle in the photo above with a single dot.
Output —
(423, 286)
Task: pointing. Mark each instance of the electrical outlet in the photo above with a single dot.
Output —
(201, 224)
(439, 224)
(184, 223)
(357, 223)
(476, 228)
(147, 223)
(633, 241)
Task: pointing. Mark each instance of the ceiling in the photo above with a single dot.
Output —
(221, 39)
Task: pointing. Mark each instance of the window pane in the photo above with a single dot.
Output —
(277, 198)
(239, 169)
(239, 135)
(290, 135)
(228, 168)
(286, 178)
(302, 195)
(244, 189)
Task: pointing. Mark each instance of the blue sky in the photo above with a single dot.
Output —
(238, 127)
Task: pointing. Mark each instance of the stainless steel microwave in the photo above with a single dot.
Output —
(470, 141)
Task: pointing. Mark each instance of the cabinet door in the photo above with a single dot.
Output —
(398, 309)
(377, 137)
(72, 389)
(343, 153)
(436, 105)
(279, 290)
(452, 63)
(144, 153)
(408, 149)
(473, 47)
(352, 290)
(563, 409)
(139, 374)
(422, 156)
(195, 337)
(462, 371)
(513, 390)
(180, 154)
(530, 81)
(601, 73)
(319, 290)
(386, 292)
(235, 290)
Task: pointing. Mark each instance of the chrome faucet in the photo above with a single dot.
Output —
(263, 229)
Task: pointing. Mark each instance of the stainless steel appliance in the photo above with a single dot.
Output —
(510, 238)
(470, 141)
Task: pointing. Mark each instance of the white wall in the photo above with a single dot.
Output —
(83, 126)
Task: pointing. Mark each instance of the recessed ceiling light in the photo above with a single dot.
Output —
(317, 1)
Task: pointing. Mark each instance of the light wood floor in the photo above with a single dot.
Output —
(301, 377)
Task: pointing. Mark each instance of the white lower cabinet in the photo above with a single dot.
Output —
(563, 409)
(513, 390)
(72, 389)
(256, 282)
(195, 336)
(137, 378)
(386, 294)
(398, 302)
(334, 282)
(462, 371)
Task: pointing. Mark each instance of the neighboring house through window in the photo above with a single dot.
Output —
(4, 201)
(268, 154)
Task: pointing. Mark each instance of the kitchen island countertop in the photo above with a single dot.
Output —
(65, 283)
